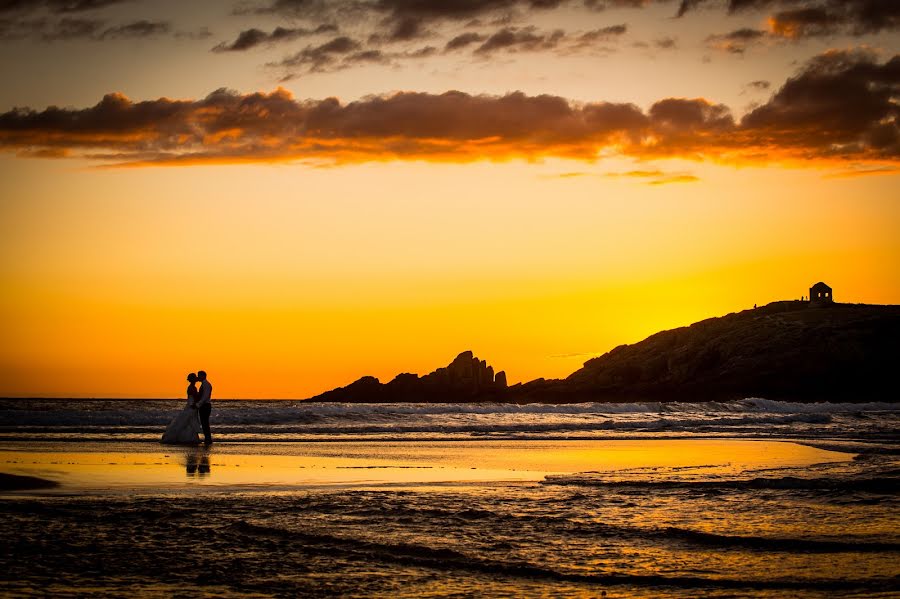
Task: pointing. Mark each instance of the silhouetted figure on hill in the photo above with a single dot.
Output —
(204, 405)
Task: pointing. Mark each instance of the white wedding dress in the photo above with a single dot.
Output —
(184, 428)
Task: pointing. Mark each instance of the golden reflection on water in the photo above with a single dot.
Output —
(97, 465)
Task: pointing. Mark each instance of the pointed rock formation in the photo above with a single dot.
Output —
(500, 380)
(465, 379)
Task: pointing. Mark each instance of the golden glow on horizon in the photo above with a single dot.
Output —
(288, 281)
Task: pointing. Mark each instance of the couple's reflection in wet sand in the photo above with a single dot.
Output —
(197, 462)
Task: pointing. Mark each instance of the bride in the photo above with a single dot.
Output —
(185, 427)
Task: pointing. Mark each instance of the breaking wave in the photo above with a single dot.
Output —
(286, 420)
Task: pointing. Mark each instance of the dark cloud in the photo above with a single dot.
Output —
(16, 29)
(680, 115)
(412, 19)
(55, 6)
(600, 5)
(759, 85)
(251, 38)
(460, 9)
(841, 107)
(137, 29)
(842, 103)
(424, 52)
(380, 57)
(457, 10)
(201, 33)
(368, 56)
(735, 6)
(805, 22)
(666, 43)
(290, 8)
(403, 30)
(594, 40)
(464, 40)
(228, 126)
(602, 34)
(804, 18)
(688, 5)
(518, 39)
(343, 53)
(318, 58)
(854, 17)
(72, 28)
(396, 11)
(738, 41)
(515, 39)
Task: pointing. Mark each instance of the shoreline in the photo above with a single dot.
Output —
(837, 444)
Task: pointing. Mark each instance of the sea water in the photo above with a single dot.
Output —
(278, 421)
(750, 498)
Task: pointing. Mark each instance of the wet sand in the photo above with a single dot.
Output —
(14, 482)
(149, 466)
(671, 519)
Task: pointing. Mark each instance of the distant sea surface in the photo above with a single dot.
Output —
(284, 421)
(749, 498)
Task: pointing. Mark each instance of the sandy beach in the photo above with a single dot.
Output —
(750, 499)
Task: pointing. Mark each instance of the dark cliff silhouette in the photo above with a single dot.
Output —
(466, 378)
(785, 350)
(792, 350)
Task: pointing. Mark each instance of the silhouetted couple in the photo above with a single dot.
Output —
(186, 426)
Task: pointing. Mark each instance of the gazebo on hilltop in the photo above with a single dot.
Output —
(820, 293)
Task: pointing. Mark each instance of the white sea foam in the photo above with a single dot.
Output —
(768, 405)
(286, 419)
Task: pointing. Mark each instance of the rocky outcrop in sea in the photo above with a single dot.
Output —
(466, 378)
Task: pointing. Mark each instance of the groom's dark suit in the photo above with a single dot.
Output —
(204, 407)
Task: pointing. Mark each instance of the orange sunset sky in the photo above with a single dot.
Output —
(291, 194)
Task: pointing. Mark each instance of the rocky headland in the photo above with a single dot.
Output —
(465, 379)
(792, 350)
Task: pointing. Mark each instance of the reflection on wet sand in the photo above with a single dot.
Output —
(101, 466)
(197, 463)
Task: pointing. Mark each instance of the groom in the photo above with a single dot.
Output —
(204, 406)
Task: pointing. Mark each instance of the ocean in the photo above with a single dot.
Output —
(749, 498)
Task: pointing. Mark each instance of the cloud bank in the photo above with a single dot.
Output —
(798, 19)
(55, 6)
(841, 106)
(71, 28)
(792, 18)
